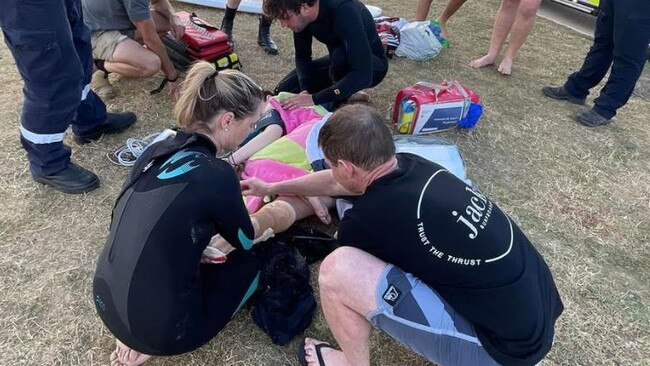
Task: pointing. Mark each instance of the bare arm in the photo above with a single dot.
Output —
(316, 184)
(164, 8)
(265, 138)
(147, 30)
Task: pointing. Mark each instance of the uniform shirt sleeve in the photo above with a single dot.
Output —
(228, 210)
(349, 26)
(137, 10)
(302, 42)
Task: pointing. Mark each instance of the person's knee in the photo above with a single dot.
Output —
(150, 66)
(528, 8)
(338, 267)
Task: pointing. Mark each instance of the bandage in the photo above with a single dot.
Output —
(278, 215)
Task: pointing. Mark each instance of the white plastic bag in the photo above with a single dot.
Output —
(417, 42)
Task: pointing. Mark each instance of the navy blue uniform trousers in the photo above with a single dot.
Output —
(621, 40)
(51, 47)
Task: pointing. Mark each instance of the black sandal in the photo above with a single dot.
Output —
(302, 355)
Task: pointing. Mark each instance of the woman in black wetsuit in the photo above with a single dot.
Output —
(150, 288)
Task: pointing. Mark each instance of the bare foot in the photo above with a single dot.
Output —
(505, 67)
(320, 209)
(486, 60)
(330, 356)
(124, 356)
(443, 30)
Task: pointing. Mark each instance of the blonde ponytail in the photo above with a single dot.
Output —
(206, 92)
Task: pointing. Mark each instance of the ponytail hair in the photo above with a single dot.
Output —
(207, 92)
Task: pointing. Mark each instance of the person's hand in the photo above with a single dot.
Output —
(216, 251)
(304, 99)
(174, 89)
(255, 187)
(320, 209)
(177, 27)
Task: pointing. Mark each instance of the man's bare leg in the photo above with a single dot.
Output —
(133, 60)
(502, 24)
(450, 9)
(125, 356)
(345, 304)
(520, 29)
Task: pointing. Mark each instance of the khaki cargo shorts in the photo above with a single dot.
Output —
(105, 41)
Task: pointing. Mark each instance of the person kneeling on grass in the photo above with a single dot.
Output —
(126, 40)
(356, 59)
(425, 258)
(150, 288)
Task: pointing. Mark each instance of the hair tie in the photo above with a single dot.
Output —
(215, 73)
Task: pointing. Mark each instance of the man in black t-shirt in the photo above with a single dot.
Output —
(426, 258)
(356, 57)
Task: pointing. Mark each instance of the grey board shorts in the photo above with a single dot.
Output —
(416, 316)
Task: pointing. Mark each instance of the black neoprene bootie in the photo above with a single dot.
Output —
(264, 37)
(227, 23)
(226, 27)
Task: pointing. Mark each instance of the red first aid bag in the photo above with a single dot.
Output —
(211, 53)
(205, 41)
(426, 107)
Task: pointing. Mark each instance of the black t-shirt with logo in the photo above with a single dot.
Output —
(427, 222)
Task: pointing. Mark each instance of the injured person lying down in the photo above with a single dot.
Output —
(275, 151)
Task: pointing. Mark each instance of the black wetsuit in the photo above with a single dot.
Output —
(356, 60)
(150, 289)
(427, 222)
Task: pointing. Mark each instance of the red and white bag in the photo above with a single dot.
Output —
(205, 41)
(426, 107)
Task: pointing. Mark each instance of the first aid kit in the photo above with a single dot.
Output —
(427, 107)
(205, 41)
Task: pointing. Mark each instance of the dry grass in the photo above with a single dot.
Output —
(583, 196)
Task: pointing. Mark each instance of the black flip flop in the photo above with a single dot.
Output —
(302, 355)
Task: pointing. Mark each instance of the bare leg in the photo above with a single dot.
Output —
(422, 11)
(233, 4)
(520, 29)
(450, 9)
(345, 305)
(280, 214)
(132, 60)
(502, 24)
(125, 356)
